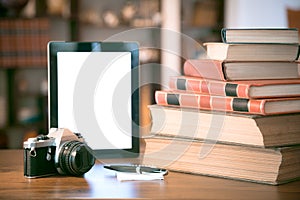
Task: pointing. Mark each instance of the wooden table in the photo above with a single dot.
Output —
(101, 183)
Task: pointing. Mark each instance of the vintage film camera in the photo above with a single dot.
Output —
(59, 152)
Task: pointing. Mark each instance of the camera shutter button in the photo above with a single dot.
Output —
(31, 140)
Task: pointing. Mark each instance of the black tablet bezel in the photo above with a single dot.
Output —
(133, 48)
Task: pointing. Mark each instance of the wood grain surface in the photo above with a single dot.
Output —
(100, 183)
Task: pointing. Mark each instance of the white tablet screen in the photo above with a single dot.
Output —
(96, 86)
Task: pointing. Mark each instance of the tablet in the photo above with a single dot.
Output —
(94, 91)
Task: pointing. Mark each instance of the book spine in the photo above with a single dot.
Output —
(223, 35)
(207, 102)
(209, 87)
(211, 69)
(278, 36)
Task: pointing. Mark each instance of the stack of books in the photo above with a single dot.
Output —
(234, 114)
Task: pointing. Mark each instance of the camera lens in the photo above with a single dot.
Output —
(74, 158)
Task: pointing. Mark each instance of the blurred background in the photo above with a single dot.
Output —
(26, 26)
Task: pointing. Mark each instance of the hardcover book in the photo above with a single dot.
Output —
(255, 130)
(228, 104)
(263, 165)
(243, 70)
(242, 89)
(251, 52)
(271, 36)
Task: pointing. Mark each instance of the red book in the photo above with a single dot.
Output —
(228, 104)
(243, 70)
(242, 89)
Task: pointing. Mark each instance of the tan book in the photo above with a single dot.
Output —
(251, 52)
(263, 131)
(260, 35)
(271, 166)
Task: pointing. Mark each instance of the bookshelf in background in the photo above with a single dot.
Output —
(79, 21)
(23, 61)
(3, 108)
(24, 34)
(23, 42)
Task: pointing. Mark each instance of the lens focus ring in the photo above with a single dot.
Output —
(74, 158)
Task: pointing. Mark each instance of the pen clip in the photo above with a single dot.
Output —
(139, 169)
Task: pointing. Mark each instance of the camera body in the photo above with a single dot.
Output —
(59, 152)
